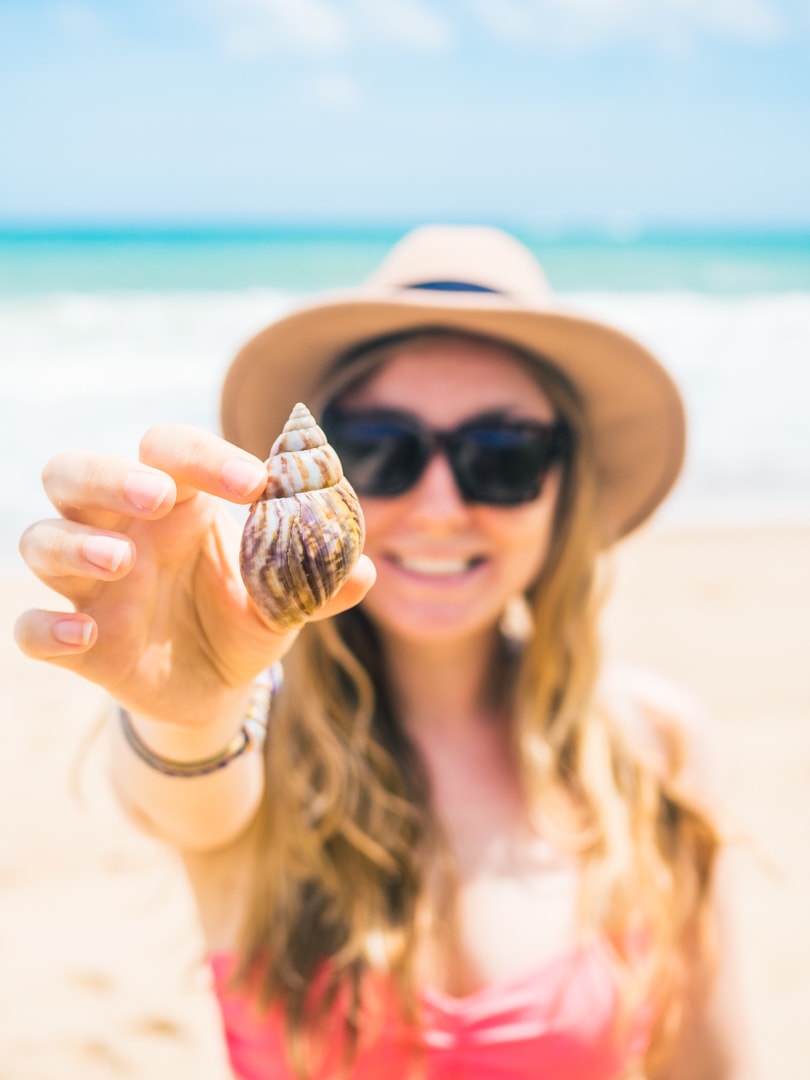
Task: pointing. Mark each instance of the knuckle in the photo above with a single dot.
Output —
(43, 546)
(27, 542)
(196, 454)
(95, 473)
(70, 476)
(164, 443)
(37, 544)
(178, 449)
(151, 441)
(51, 547)
(23, 632)
(53, 469)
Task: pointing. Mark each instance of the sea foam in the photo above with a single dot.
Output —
(97, 369)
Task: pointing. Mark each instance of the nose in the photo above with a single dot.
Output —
(435, 498)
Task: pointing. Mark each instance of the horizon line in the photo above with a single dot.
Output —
(617, 232)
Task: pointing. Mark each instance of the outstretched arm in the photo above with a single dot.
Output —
(147, 553)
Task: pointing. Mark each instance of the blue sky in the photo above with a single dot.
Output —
(561, 113)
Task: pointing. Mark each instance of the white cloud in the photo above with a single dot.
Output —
(335, 92)
(754, 20)
(671, 23)
(76, 19)
(254, 27)
(334, 27)
(329, 27)
(404, 22)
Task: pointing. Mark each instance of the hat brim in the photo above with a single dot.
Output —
(632, 406)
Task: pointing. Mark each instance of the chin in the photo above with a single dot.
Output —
(432, 627)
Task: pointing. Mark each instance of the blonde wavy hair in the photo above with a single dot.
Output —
(350, 864)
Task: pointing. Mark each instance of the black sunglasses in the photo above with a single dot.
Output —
(494, 460)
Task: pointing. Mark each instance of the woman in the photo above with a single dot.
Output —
(467, 850)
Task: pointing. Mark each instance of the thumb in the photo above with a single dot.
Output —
(355, 587)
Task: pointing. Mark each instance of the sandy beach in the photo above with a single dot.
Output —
(100, 952)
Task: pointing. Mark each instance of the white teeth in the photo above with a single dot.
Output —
(437, 567)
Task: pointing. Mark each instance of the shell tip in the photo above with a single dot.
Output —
(299, 417)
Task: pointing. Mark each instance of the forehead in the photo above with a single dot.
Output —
(448, 380)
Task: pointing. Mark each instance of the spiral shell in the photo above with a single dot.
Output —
(305, 534)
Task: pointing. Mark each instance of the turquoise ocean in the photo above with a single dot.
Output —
(104, 331)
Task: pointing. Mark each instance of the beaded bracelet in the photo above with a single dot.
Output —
(250, 736)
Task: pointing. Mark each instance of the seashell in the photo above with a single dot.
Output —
(305, 534)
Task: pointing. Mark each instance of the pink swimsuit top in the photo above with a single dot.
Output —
(558, 1020)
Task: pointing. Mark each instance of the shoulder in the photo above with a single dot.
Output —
(665, 726)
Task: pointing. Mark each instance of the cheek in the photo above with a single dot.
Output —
(381, 518)
(526, 537)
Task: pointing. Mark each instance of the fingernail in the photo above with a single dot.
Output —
(146, 491)
(241, 477)
(105, 552)
(73, 631)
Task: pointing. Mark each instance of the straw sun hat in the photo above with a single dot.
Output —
(477, 280)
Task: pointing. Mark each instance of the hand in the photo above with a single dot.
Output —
(147, 552)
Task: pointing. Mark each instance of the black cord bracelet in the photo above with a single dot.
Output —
(250, 736)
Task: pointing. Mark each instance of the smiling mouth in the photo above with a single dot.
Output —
(435, 567)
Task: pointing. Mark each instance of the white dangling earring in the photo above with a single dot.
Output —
(516, 624)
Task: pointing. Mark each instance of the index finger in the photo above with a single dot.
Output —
(198, 460)
(102, 489)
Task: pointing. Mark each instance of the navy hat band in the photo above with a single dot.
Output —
(452, 286)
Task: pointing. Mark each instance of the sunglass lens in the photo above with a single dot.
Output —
(379, 456)
(503, 465)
